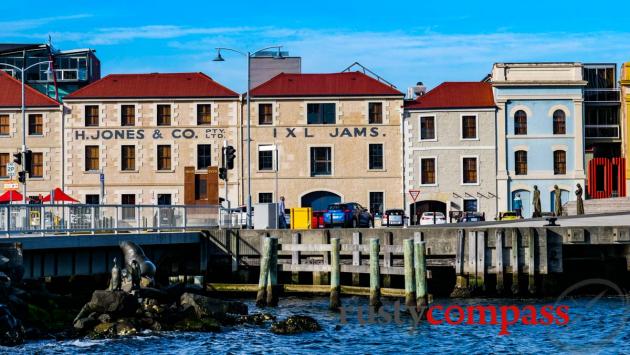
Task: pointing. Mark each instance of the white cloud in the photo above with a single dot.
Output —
(12, 27)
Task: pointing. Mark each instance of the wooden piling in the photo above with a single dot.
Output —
(356, 258)
(295, 258)
(472, 259)
(335, 274)
(481, 260)
(420, 265)
(261, 299)
(499, 257)
(515, 261)
(410, 283)
(272, 283)
(375, 274)
(531, 261)
(460, 279)
(387, 259)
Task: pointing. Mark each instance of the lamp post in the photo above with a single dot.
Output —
(249, 56)
(23, 71)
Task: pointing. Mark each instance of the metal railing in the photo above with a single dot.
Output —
(601, 131)
(79, 218)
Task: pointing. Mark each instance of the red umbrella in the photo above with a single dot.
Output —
(59, 196)
(11, 196)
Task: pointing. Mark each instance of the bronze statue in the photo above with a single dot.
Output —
(557, 201)
(116, 282)
(132, 251)
(135, 275)
(580, 202)
(537, 207)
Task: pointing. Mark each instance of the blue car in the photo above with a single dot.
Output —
(348, 215)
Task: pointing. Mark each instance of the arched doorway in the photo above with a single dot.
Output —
(526, 200)
(418, 208)
(319, 200)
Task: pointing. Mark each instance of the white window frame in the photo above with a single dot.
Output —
(461, 126)
(265, 148)
(332, 160)
(435, 128)
(369, 202)
(367, 112)
(368, 157)
(461, 170)
(257, 113)
(337, 118)
(420, 171)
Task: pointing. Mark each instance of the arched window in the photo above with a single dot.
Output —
(559, 122)
(559, 162)
(520, 122)
(520, 162)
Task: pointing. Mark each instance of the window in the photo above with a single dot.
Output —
(4, 160)
(469, 127)
(520, 122)
(164, 199)
(321, 161)
(265, 114)
(427, 128)
(204, 156)
(164, 157)
(204, 114)
(127, 115)
(163, 115)
(4, 125)
(559, 122)
(128, 212)
(201, 186)
(265, 157)
(520, 162)
(375, 113)
(470, 205)
(92, 199)
(376, 202)
(35, 125)
(128, 157)
(265, 197)
(91, 116)
(376, 157)
(91, 158)
(427, 171)
(469, 169)
(321, 114)
(37, 165)
(559, 162)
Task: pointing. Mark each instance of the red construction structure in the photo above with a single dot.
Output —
(606, 178)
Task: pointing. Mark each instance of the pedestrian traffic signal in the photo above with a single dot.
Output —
(17, 158)
(22, 176)
(230, 154)
(223, 173)
(28, 160)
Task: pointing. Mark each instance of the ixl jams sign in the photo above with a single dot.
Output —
(139, 134)
(338, 132)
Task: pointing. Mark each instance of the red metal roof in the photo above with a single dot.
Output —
(455, 95)
(154, 85)
(335, 84)
(11, 94)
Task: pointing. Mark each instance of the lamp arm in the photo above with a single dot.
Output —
(262, 49)
(231, 50)
(38, 63)
(12, 66)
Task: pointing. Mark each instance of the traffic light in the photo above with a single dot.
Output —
(22, 176)
(28, 160)
(17, 158)
(223, 173)
(230, 154)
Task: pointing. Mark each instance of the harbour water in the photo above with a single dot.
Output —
(596, 325)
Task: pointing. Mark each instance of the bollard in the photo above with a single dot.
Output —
(261, 299)
(272, 283)
(335, 275)
(420, 266)
(375, 275)
(410, 283)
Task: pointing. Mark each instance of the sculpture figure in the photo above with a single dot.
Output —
(131, 251)
(580, 202)
(116, 282)
(537, 206)
(557, 201)
(135, 275)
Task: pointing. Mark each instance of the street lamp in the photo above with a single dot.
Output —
(23, 71)
(249, 55)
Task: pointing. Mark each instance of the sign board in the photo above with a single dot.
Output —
(11, 169)
(10, 185)
(101, 177)
(414, 194)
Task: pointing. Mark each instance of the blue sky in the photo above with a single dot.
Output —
(404, 42)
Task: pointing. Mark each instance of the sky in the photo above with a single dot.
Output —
(403, 42)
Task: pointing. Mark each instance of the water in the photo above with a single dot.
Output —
(595, 326)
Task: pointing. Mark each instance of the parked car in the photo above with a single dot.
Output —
(393, 218)
(508, 216)
(472, 217)
(349, 215)
(317, 220)
(428, 218)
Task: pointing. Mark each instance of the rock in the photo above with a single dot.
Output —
(124, 328)
(104, 330)
(255, 319)
(5, 280)
(105, 318)
(11, 329)
(85, 324)
(294, 325)
(211, 307)
(115, 303)
(198, 325)
(460, 292)
(155, 296)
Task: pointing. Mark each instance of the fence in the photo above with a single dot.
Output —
(52, 219)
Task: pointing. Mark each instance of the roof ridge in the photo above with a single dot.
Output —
(30, 89)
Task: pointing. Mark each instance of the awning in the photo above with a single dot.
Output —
(58, 196)
(10, 196)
